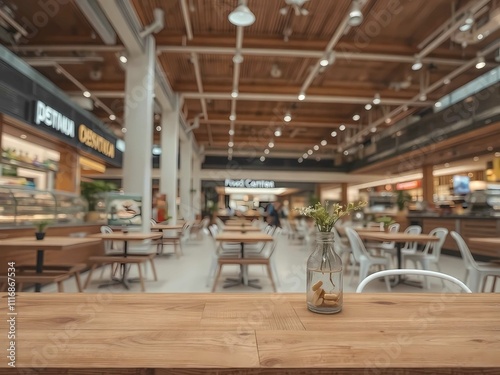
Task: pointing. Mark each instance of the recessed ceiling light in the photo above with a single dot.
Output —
(342, 127)
(301, 97)
(316, 147)
(86, 94)
(356, 117)
(112, 117)
(262, 158)
(334, 134)
(368, 106)
(324, 142)
(23, 136)
(266, 151)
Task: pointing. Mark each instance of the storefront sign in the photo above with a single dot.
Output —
(91, 139)
(409, 185)
(50, 117)
(248, 183)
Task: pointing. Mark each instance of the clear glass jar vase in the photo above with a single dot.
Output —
(324, 276)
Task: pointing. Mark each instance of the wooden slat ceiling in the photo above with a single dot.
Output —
(389, 27)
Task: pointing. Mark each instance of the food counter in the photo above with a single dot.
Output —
(467, 226)
(253, 334)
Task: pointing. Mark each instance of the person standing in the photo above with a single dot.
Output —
(273, 214)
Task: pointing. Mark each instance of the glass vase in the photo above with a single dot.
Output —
(324, 276)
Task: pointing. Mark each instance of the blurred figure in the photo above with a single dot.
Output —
(273, 211)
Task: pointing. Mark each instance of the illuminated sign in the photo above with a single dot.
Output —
(50, 117)
(409, 185)
(93, 140)
(248, 183)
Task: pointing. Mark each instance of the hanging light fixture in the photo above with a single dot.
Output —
(468, 22)
(287, 117)
(301, 96)
(355, 15)
(481, 63)
(417, 65)
(241, 15)
(376, 99)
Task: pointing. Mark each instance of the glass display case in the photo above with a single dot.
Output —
(23, 206)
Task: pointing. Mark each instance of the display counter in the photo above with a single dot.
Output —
(467, 226)
(107, 333)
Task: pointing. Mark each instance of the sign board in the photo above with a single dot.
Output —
(249, 183)
(409, 185)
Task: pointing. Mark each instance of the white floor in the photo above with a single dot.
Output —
(189, 273)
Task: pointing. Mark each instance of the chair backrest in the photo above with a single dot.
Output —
(436, 246)
(357, 245)
(408, 271)
(338, 245)
(464, 250)
(394, 227)
(109, 245)
(412, 229)
(152, 222)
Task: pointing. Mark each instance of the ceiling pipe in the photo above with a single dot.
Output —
(98, 20)
(187, 21)
(199, 84)
(471, 63)
(236, 77)
(453, 28)
(11, 21)
(64, 59)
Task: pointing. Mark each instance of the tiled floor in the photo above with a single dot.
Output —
(189, 273)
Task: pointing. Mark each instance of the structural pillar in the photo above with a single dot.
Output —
(197, 185)
(186, 172)
(169, 161)
(428, 184)
(343, 193)
(137, 159)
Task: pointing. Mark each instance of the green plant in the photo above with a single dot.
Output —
(41, 225)
(326, 216)
(90, 191)
(387, 220)
(402, 198)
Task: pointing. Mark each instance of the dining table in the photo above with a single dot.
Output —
(242, 333)
(48, 243)
(126, 237)
(399, 239)
(246, 228)
(242, 239)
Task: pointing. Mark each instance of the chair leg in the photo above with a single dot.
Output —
(151, 261)
(60, 287)
(94, 266)
(78, 282)
(219, 270)
(141, 279)
(270, 273)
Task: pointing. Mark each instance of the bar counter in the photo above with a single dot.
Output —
(253, 334)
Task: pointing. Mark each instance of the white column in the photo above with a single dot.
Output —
(186, 170)
(139, 89)
(197, 185)
(170, 159)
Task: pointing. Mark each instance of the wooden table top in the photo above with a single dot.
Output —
(129, 236)
(397, 237)
(48, 243)
(495, 241)
(194, 333)
(237, 222)
(167, 227)
(243, 237)
(248, 228)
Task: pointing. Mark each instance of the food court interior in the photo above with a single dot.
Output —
(196, 115)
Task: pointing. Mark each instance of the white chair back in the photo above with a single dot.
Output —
(358, 248)
(412, 246)
(464, 250)
(395, 272)
(435, 247)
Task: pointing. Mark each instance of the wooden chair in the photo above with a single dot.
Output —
(33, 278)
(104, 260)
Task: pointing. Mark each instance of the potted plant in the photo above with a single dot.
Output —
(386, 220)
(402, 198)
(90, 191)
(40, 227)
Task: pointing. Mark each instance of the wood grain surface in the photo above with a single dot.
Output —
(254, 334)
(398, 237)
(128, 236)
(48, 243)
(243, 237)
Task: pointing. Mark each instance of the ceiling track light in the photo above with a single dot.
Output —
(301, 96)
(481, 63)
(277, 132)
(376, 99)
(355, 14)
(417, 65)
(468, 22)
(241, 15)
(328, 59)
(287, 117)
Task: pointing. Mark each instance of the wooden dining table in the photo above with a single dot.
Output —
(49, 243)
(242, 239)
(391, 333)
(246, 228)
